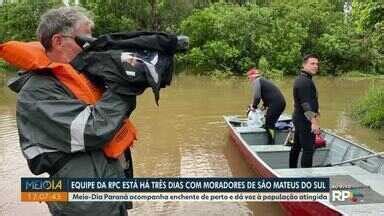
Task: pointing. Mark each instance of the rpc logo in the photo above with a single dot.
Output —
(342, 195)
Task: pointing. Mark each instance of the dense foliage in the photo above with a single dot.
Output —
(369, 110)
(283, 31)
(234, 35)
(18, 21)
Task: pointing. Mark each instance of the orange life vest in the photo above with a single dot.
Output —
(31, 56)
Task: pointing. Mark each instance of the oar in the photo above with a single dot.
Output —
(357, 159)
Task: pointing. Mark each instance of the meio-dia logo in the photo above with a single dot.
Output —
(44, 184)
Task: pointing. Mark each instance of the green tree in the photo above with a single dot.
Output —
(235, 37)
(368, 20)
(19, 20)
(284, 30)
(152, 15)
(111, 16)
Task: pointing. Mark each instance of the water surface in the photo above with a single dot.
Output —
(186, 136)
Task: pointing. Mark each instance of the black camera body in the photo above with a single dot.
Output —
(130, 62)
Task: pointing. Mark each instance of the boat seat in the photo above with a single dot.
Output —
(253, 135)
(277, 156)
(270, 148)
(250, 130)
(277, 148)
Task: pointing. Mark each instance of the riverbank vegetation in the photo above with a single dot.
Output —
(370, 109)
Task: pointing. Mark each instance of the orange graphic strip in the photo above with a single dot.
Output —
(44, 196)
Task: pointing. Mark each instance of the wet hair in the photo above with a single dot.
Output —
(308, 56)
(61, 20)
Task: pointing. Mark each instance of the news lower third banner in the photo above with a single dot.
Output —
(174, 189)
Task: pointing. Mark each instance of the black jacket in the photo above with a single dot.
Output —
(305, 96)
(47, 113)
(268, 92)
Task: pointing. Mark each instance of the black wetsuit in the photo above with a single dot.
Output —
(272, 98)
(305, 101)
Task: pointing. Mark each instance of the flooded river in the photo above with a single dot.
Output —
(186, 136)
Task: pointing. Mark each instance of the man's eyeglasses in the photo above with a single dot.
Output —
(67, 36)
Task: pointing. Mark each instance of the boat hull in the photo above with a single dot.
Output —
(263, 170)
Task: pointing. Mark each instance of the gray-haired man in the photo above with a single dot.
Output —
(60, 134)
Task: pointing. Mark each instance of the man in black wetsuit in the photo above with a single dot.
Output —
(306, 113)
(273, 100)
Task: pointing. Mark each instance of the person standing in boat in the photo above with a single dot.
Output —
(273, 100)
(306, 113)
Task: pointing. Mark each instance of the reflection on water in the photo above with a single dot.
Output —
(13, 166)
(186, 136)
